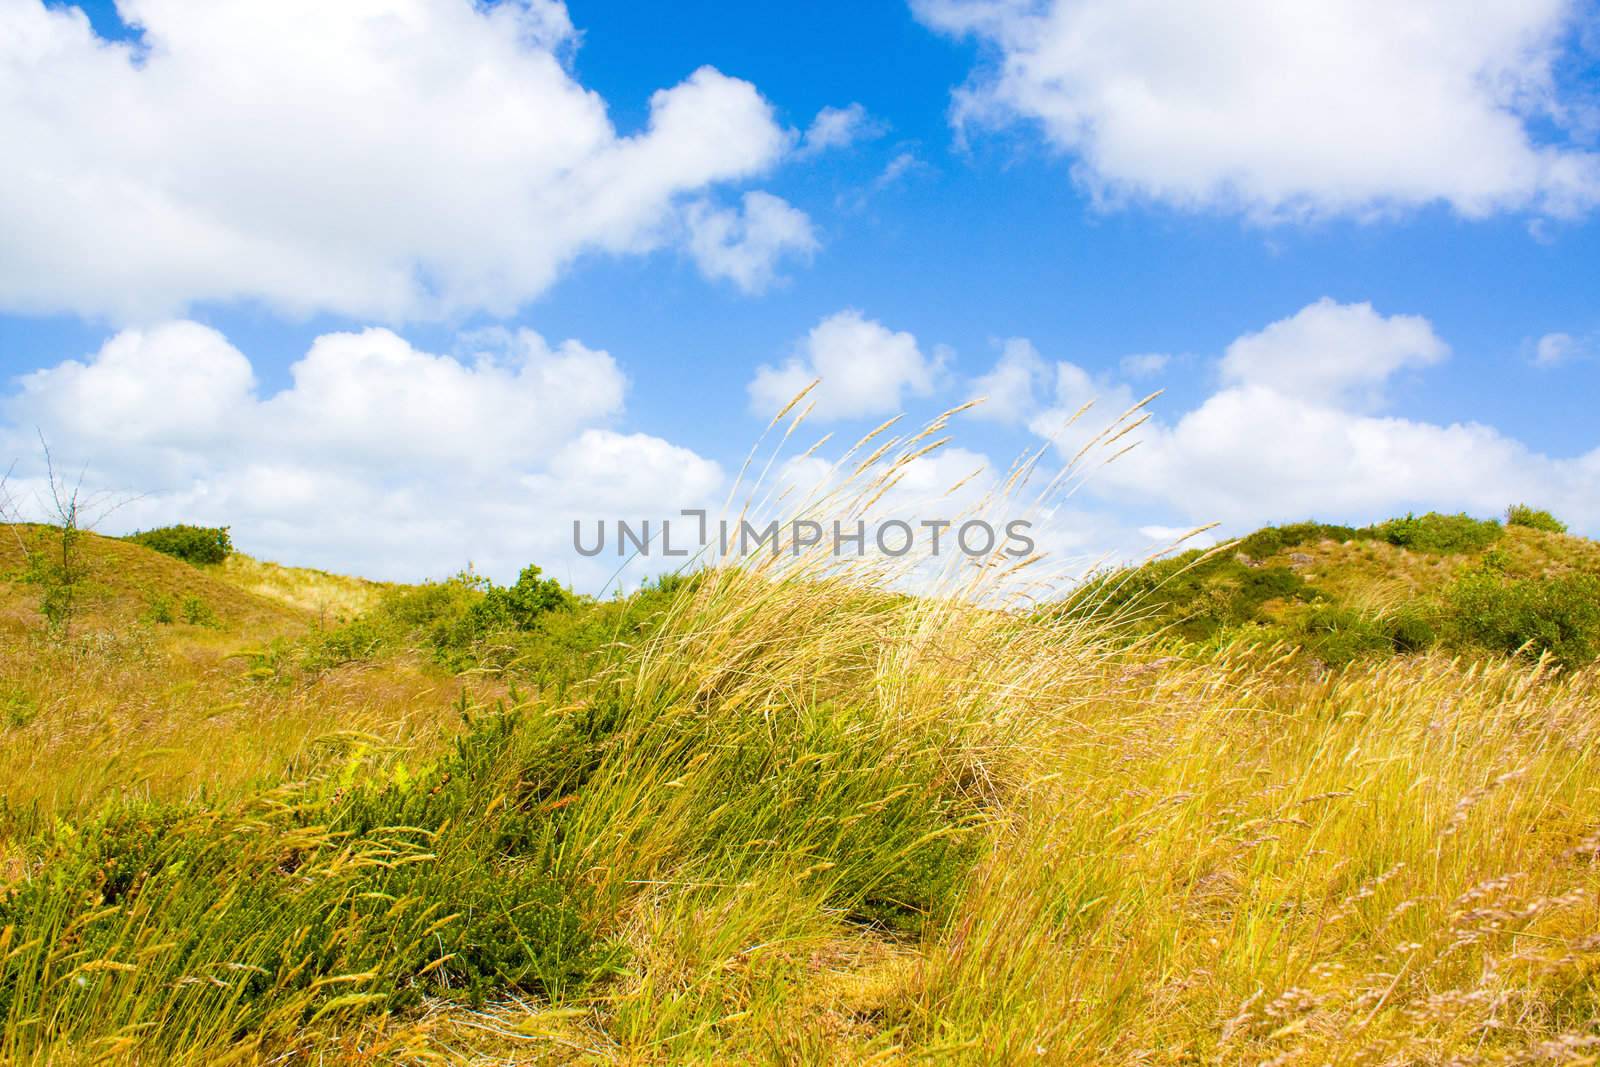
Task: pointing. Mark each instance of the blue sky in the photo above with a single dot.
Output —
(974, 201)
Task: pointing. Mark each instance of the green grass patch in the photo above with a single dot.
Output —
(197, 927)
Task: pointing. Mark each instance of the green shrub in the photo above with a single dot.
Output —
(518, 606)
(1559, 615)
(1338, 635)
(1410, 630)
(1442, 534)
(159, 610)
(194, 544)
(1534, 519)
(197, 612)
(1271, 539)
(54, 561)
(465, 621)
(359, 639)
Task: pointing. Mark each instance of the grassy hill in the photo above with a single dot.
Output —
(174, 681)
(122, 582)
(1338, 593)
(758, 816)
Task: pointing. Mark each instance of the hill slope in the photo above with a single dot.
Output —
(173, 680)
(122, 583)
(786, 820)
(1404, 585)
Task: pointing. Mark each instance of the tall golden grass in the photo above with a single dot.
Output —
(1219, 858)
(1087, 850)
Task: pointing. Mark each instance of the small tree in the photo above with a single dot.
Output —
(55, 561)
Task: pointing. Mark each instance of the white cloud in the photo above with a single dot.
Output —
(169, 386)
(1083, 410)
(941, 484)
(897, 168)
(1279, 442)
(1281, 110)
(620, 472)
(866, 369)
(394, 159)
(1059, 401)
(1250, 454)
(1144, 364)
(1010, 389)
(378, 458)
(1332, 352)
(1558, 349)
(745, 246)
(953, 485)
(1177, 537)
(893, 172)
(839, 127)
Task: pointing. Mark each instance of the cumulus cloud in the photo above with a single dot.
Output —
(865, 369)
(1351, 108)
(1284, 439)
(1060, 401)
(746, 246)
(172, 386)
(376, 159)
(1332, 352)
(939, 492)
(378, 458)
(1010, 390)
(1084, 407)
(839, 127)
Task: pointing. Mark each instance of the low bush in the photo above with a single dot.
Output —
(197, 612)
(534, 628)
(1442, 534)
(1411, 629)
(1557, 615)
(17, 709)
(1534, 519)
(159, 610)
(194, 544)
(1270, 539)
(1338, 635)
(502, 610)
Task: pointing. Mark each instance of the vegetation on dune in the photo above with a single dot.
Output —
(1445, 534)
(1339, 593)
(193, 544)
(106, 584)
(1558, 616)
(772, 813)
(1534, 519)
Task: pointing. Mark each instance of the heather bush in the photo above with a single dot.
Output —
(194, 544)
